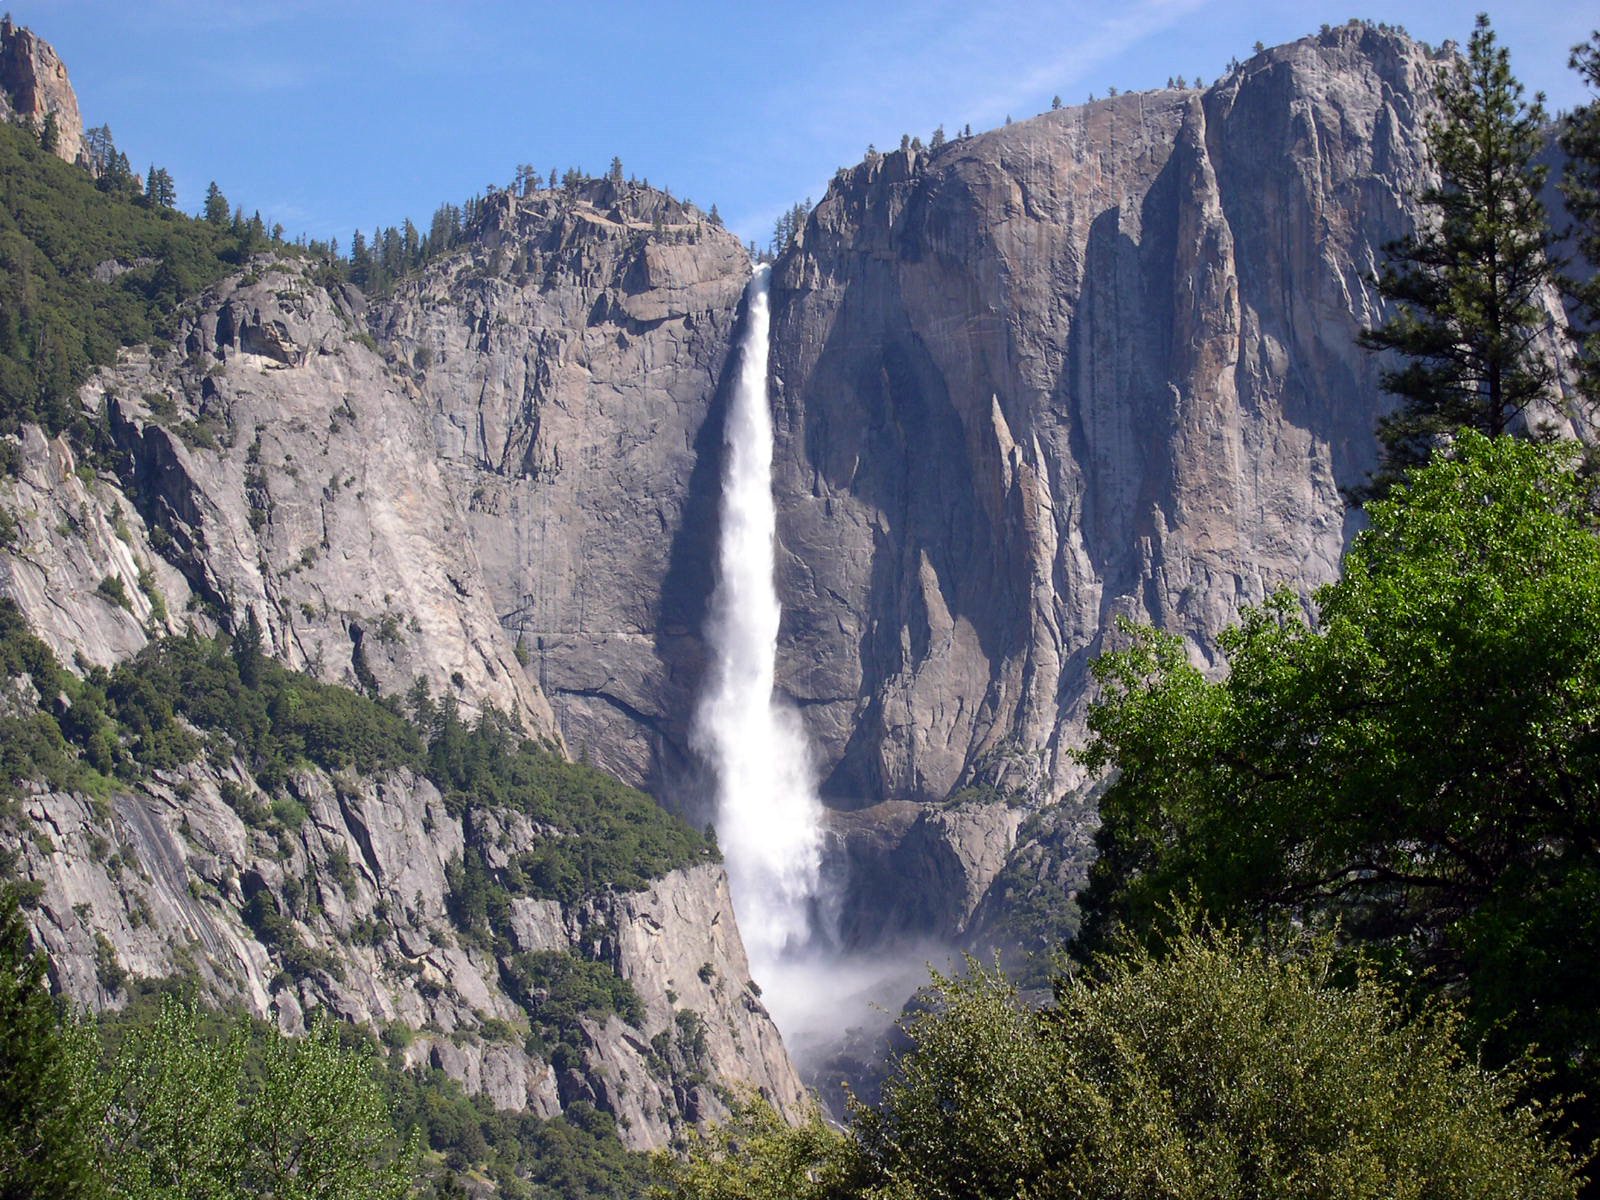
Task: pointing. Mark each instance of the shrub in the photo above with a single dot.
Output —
(1214, 1070)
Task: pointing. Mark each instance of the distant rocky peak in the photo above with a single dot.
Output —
(34, 86)
(627, 208)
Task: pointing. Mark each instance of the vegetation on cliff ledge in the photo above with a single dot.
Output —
(184, 697)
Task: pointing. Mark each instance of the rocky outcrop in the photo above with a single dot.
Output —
(520, 448)
(342, 902)
(514, 498)
(284, 467)
(80, 565)
(34, 86)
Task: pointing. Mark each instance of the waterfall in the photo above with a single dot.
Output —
(768, 814)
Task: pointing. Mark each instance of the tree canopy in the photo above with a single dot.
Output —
(46, 1066)
(1417, 761)
(1212, 1068)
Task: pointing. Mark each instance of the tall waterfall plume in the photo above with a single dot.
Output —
(768, 815)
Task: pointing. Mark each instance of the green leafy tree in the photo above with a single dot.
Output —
(172, 1129)
(46, 1077)
(50, 133)
(317, 1126)
(1419, 763)
(192, 1117)
(1467, 283)
(1210, 1069)
(1580, 186)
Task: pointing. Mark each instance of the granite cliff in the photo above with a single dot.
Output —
(474, 485)
(1097, 363)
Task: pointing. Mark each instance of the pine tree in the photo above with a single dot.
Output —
(99, 145)
(159, 189)
(1467, 283)
(247, 650)
(216, 210)
(1580, 138)
(50, 133)
(45, 1096)
(1055, 103)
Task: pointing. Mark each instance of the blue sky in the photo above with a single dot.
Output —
(335, 114)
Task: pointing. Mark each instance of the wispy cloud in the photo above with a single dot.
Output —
(919, 65)
(1076, 64)
(254, 77)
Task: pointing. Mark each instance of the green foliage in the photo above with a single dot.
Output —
(526, 1158)
(602, 832)
(1468, 283)
(56, 319)
(245, 1115)
(159, 190)
(112, 589)
(284, 718)
(1420, 766)
(756, 1155)
(1213, 1069)
(46, 1066)
(32, 743)
(1580, 187)
(556, 988)
(216, 206)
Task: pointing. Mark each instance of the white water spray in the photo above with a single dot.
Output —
(768, 814)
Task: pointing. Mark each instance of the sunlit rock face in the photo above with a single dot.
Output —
(1095, 363)
(568, 365)
(34, 86)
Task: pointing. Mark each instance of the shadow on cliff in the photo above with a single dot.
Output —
(881, 426)
(681, 780)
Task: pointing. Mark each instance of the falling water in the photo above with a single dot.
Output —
(768, 814)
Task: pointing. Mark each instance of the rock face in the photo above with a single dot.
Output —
(1097, 363)
(498, 501)
(514, 498)
(569, 366)
(155, 883)
(34, 84)
(291, 473)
